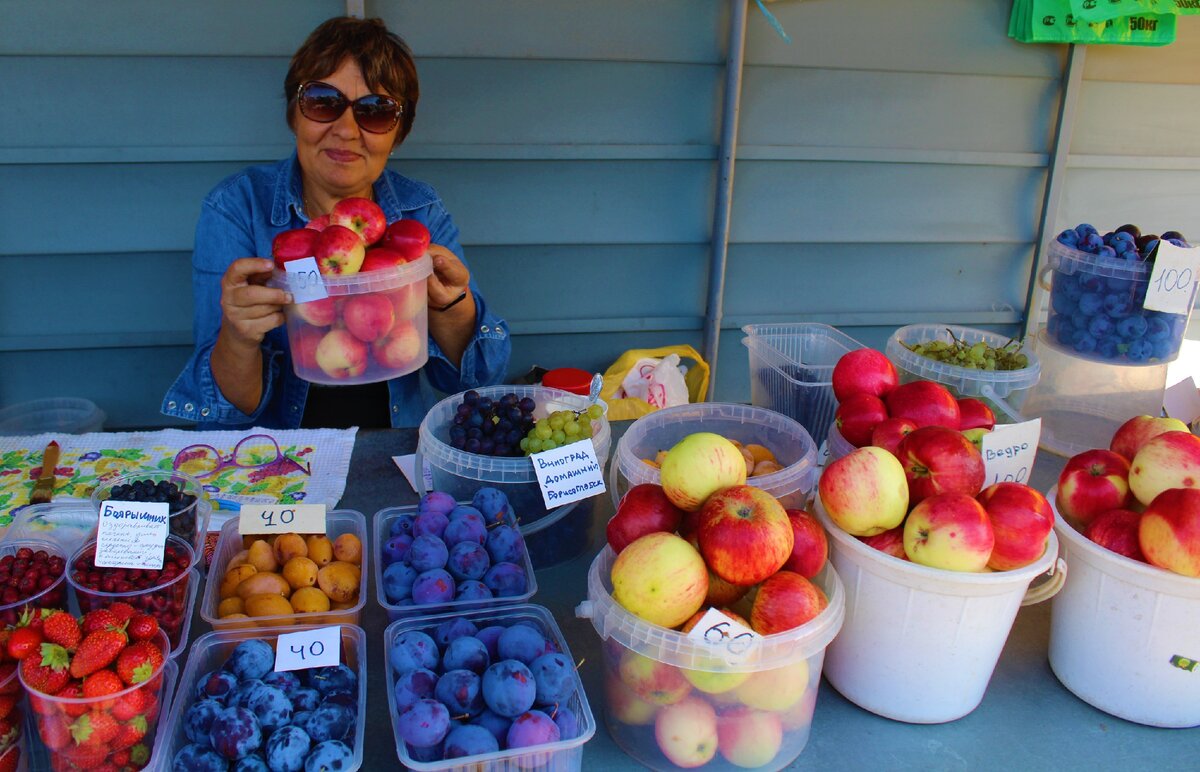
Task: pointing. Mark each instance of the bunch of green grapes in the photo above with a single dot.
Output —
(560, 428)
(978, 356)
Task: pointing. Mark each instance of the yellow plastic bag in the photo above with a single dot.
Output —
(625, 409)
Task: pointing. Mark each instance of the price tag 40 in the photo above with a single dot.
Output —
(321, 647)
(272, 518)
(1009, 451)
(304, 280)
(732, 642)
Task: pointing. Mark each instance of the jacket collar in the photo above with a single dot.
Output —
(394, 193)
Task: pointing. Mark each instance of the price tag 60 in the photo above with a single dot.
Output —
(731, 641)
(304, 280)
(1173, 280)
(308, 648)
(275, 518)
(1009, 451)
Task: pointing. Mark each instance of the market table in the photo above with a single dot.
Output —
(1027, 719)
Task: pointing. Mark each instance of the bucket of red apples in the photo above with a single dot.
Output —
(371, 324)
(715, 605)
(932, 559)
(1124, 631)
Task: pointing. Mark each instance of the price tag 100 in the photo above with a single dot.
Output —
(732, 642)
(320, 647)
(1009, 451)
(304, 280)
(1173, 280)
(276, 518)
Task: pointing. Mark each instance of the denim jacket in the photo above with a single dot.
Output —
(240, 218)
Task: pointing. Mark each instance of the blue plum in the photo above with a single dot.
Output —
(436, 586)
(473, 590)
(522, 643)
(568, 723)
(329, 756)
(468, 561)
(428, 552)
(506, 580)
(398, 580)
(330, 721)
(554, 675)
(271, 706)
(467, 528)
(396, 548)
(424, 724)
(217, 684)
(250, 764)
(195, 758)
(532, 728)
(453, 629)
(492, 503)
(305, 698)
(459, 691)
(469, 740)
(464, 510)
(493, 722)
(197, 721)
(334, 679)
(287, 748)
(430, 524)
(509, 688)
(402, 525)
(251, 658)
(413, 686)
(235, 733)
(413, 649)
(466, 653)
(436, 501)
(490, 635)
(284, 680)
(505, 545)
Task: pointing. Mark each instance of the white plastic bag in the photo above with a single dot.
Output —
(658, 382)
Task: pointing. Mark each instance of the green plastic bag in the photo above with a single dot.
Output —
(1054, 21)
(1187, 7)
(1092, 11)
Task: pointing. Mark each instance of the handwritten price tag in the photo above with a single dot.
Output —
(321, 647)
(730, 640)
(1009, 451)
(132, 534)
(1182, 401)
(569, 473)
(304, 280)
(1173, 279)
(272, 518)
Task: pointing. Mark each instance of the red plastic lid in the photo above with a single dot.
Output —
(570, 379)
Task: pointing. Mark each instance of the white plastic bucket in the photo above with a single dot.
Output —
(919, 644)
(1125, 636)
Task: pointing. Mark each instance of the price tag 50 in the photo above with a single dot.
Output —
(308, 648)
(731, 641)
(304, 280)
(299, 518)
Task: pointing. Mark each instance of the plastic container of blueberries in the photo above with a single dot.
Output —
(561, 755)
(189, 524)
(209, 652)
(383, 523)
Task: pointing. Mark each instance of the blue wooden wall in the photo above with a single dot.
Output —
(892, 160)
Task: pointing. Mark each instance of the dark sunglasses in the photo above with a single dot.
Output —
(321, 102)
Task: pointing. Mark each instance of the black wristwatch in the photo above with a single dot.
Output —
(452, 303)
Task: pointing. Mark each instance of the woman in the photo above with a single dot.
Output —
(351, 93)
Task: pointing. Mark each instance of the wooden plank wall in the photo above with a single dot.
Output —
(891, 167)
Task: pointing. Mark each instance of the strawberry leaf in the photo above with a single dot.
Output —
(143, 672)
(81, 729)
(55, 657)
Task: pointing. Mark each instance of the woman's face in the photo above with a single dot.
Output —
(340, 158)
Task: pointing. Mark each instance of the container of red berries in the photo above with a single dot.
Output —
(184, 496)
(169, 594)
(13, 752)
(32, 575)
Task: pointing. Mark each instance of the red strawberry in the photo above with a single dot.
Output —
(7, 703)
(63, 629)
(46, 673)
(123, 611)
(95, 728)
(55, 731)
(139, 662)
(119, 759)
(96, 651)
(129, 705)
(72, 691)
(100, 619)
(6, 672)
(152, 705)
(24, 641)
(10, 760)
(142, 627)
(101, 683)
(87, 756)
(130, 734)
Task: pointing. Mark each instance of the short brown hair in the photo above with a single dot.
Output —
(385, 60)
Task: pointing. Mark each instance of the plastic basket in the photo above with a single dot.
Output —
(59, 415)
(189, 524)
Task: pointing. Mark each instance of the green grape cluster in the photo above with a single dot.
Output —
(560, 428)
(977, 356)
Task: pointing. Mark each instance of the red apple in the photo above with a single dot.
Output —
(1021, 521)
(318, 224)
(810, 546)
(369, 317)
(398, 348)
(975, 414)
(625, 706)
(1169, 532)
(864, 492)
(382, 259)
(857, 416)
(785, 601)
(318, 313)
(686, 733)
(660, 578)
(304, 346)
(655, 682)
(863, 371)
(1137, 431)
(644, 509)
(293, 245)
(940, 460)
(339, 251)
(888, 433)
(723, 593)
(341, 355)
(408, 237)
(925, 403)
(1090, 483)
(749, 738)
(1170, 460)
(1117, 530)
(950, 531)
(361, 215)
(889, 542)
(744, 534)
(410, 301)
(689, 526)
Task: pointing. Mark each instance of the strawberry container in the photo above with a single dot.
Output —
(373, 326)
(733, 709)
(229, 544)
(564, 754)
(189, 522)
(15, 724)
(48, 592)
(210, 652)
(383, 521)
(171, 600)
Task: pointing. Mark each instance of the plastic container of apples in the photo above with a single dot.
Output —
(361, 314)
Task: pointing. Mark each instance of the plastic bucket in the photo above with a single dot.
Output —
(836, 444)
(791, 370)
(551, 536)
(374, 326)
(777, 684)
(1004, 390)
(1125, 636)
(660, 430)
(53, 596)
(59, 415)
(920, 644)
(189, 523)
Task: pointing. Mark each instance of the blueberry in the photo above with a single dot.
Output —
(554, 675)
(251, 658)
(305, 698)
(468, 528)
(428, 552)
(453, 629)
(284, 680)
(1139, 350)
(1109, 347)
(506, 580)
(1080, 320)
(329, 756)
(271, 706)
(1061, 303)
(217, 684)
(396, 548)
(398, 580)
(424, 724)
(568, 723)
(1132, 328)
(1090, 303)
(508, 688)
(469, 740)
(505, 545)
(1068, 237)
(287, 748)
(1163, 349)
(1083, 342)
(330, 721)
(334, 679)
(1091, 243)
(194, 758)
(532, 728)
(473, 590)
(413, 686)
(1157, 329)
(1107, 252)
(235, 733)
(413, 649)
(1085, 229)
(1118, 305)
(402, 525)
(436, 586)
(466, 653)
(197, 721)
(1100, 326)
(430, 524)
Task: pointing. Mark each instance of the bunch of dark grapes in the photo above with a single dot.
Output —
(491, 427)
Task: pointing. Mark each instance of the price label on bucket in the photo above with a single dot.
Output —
(1009, 451)
(304, 280)
(567, 474)
(1182, 400)
(132, 534)
(273, 518)
(321, 647)
(733, 642)
(1173, 280)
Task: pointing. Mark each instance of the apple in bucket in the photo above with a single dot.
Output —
(749, 738)
(857, 416)
(1092, 482)
(940, 460)
(889, 542)
(643, 509)
(686, 732)
(864, 492)
(950, 531)
(1129, 438)
(698, 466)
(925, 403)
(361, 215)
(744, 535)
(810, 545)
(785, 601)
(660, 578)
(1117, 530)
(1169, 531)
(339, 251)
(863, 371)
(888, 433)
(1170, 460)
(1021, 522)
(341, 355)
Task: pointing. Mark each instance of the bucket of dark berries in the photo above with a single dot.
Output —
(32, 576)
(190, 510)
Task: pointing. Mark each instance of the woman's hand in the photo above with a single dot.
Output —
(250, 309)
(450, 277)
(454, 327)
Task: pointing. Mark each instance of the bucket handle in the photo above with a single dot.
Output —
(1056, 578)
(1000, 402)
(1043, 279)
(613, 479)
(585, 609)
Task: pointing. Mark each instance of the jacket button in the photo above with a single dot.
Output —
(171, 404)
(204, 411)
(189, 407)
(485, 329)
(395, 408)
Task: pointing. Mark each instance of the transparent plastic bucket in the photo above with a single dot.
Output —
(1003, 390)
(836, 443)
(561, 756)
(919, 644)
(59, 415)
(551, 536)
(383, 340)
(791, 370)
(662, 429)
(52, 597)
(189, 524)
(1125, 635)
(778, 684)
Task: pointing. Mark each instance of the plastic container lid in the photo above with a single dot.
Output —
(62, 415)
(963, 380)
(1068, 260)
(570, 379)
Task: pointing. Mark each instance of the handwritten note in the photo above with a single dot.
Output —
(304, 280)
(1182, 401)
(1173, 279)
(1009, 451)
(132, 534)
(273, 518)
(568, 474)
(731, 641)
(319, 647)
